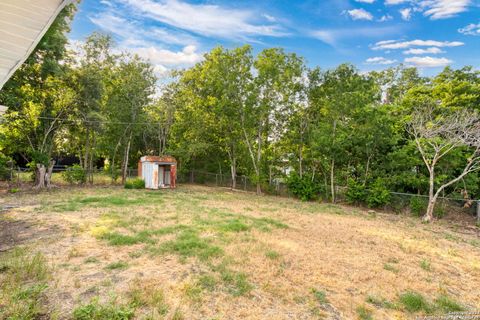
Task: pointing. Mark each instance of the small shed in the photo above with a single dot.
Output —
(158, 172)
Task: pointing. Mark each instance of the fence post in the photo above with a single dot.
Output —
(478, 211)
(244, 183)
(216, 180)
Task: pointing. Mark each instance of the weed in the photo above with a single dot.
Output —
(207, 282)
(135, 184)
(146, 294)
(273, 255)
(235, 225)
(96, 311)
(364, 313)
(117, 239)
(380, 302)
(189, 244)
(236, 282)
(178, 315)
(414, 302)
(91, 260)
(447, 304)
(120, 265)
(22, 284)
(320, 296)
(425, 265)
(389, 267)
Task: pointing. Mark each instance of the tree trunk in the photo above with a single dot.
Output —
(332, 181)
(40, 176)
(432, 198)
(233, 169)
(48, 174)
(125, 160)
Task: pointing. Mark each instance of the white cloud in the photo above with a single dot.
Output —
(156, 56)
(365, 1)
(406, 14)
(360, 14)
(380, 60)
(206, 19)
(269, 17)
(394, 2)
(435, 9)
(428, 62)
(432, 50)
(442, 9)
(386, 17)
(334, 37)
(394, 44)
(471, 30)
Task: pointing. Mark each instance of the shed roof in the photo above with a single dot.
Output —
(22, 25)
(163, 159)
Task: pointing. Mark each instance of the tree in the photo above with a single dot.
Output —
(436, 135)
(39, 100)
(132, 86)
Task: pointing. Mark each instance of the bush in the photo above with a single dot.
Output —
(135, 184)
(356, 192)
(304, 187)
(75, 175)
(378, 196)
(4, 167)
(418, 206)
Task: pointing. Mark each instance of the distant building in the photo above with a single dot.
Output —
(158, 172)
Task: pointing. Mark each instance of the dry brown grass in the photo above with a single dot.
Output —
(339, 251)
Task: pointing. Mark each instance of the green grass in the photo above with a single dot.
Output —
(364, 313)
(414, 302)
(97, 311)
(425, 265)
(235, 225)
(380, 302)
(236, 282)
(446, 304)
(23, 281)
(320, 296)
(272, 254)
(91, 260)
(188, 243)
(207, 282)
(390, 267)
(119, 265)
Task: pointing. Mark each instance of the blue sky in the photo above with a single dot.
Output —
(372, 34)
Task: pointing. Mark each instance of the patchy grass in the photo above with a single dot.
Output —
(23, 281)
(119, 265)
(97, 311)
(200, 253)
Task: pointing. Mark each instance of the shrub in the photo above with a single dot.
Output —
(75, 175)
(378, 196)
(135, 184)
(418, 206)
(304, 187)
(356, 192)
(5, 163)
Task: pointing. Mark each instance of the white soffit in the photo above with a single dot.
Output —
(22, 25)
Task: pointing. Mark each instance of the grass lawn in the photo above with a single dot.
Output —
(206, 253)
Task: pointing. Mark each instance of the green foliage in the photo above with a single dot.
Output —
(119, 265)
(75, 175)
(414, 302)
(378, 195)
(320, 296)
(135, 184)
(356, 192)
(97, 311)
(303, 187)
(418, 206)
(5, 165)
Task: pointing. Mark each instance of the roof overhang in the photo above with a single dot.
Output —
(22, 25)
